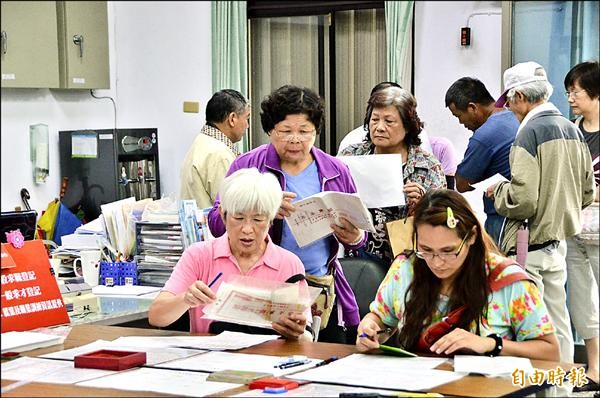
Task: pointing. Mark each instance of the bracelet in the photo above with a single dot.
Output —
(498, 348)
(356, 242)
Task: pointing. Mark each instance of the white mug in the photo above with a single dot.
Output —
(90, 266)
(55, 264)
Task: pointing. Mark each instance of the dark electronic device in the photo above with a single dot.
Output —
(24, 221)
(125, 164)
(465, 36)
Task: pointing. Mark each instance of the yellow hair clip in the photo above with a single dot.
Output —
(450, 220)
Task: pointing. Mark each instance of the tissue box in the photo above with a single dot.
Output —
(111, 359)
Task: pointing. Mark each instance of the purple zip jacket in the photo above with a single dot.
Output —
(334, 176)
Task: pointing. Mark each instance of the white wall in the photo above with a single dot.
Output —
(159, 57)
(440, 60)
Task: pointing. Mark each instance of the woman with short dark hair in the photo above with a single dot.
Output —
(292, 117)
(394, 128)
(582, 85)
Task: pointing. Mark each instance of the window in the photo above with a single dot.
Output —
(557, 35)
(337, 49)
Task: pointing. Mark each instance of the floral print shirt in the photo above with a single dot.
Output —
(421, 167)
(515, 312)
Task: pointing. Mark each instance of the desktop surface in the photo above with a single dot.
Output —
(473, 386)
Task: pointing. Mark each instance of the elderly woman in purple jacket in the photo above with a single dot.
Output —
(292, 116)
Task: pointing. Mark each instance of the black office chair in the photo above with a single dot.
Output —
(363, 276)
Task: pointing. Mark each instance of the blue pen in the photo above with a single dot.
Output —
(215, 280)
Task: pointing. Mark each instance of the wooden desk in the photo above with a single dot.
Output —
(472, 386)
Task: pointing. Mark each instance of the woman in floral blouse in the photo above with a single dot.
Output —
(394, 128)
(457, 269)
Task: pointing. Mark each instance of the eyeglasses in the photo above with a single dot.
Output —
(573, 94)
(288, 135)
(428, 256)
(240, 219)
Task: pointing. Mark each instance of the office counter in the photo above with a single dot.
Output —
(472, 386)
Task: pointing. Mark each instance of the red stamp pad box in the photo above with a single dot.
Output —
(110, 359)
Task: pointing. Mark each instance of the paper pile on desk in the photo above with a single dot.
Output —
(223, 341)
(491, 366)
(25, 341)
(409, 374)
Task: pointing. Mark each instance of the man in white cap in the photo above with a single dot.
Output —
(551, 181)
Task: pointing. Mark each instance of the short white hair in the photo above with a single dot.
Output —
(249, 190)
(534, 91)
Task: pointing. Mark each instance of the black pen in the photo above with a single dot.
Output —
(386, 330)
(325, 362)
(294, 364)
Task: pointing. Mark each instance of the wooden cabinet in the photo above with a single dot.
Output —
(83, 44)
(55, 44)
(29, 44)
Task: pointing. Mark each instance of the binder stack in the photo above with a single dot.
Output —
(158, 246)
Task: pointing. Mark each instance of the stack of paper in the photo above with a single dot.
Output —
(500, 366)
(25, 341)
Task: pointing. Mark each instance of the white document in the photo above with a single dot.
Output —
(258, 302)
(163, 381)
(154, 355)
(84, 145)
(25, 341)
(410, 374)
(485, 184)
(80, 241)
(379, 179)
(93, 227)
(113, 218)
(218, 360)
(491, 366)
(223, 341)
(314, 214)
(48, 371)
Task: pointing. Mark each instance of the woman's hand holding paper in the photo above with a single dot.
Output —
(291, 326)
(346, 232)
(287, 208)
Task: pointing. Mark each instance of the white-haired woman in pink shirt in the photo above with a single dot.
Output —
(249, 203)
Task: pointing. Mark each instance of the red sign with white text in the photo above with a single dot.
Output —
(30, 295)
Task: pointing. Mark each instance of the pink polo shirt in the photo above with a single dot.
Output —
(204, 260)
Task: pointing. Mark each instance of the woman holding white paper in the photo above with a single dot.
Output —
(250, 201)
(394, 128)
(292, 117)
(456, 294)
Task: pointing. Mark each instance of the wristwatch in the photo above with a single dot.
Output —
(496, 351)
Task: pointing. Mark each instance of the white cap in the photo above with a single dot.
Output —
(520, 74)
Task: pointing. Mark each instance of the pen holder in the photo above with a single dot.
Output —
(109, 273)
(118, 273)
(128, 273)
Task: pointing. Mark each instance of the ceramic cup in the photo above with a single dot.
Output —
(55, 264)
(90, 266)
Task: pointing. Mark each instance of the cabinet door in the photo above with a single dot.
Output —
(29, 44)
(83, 44)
